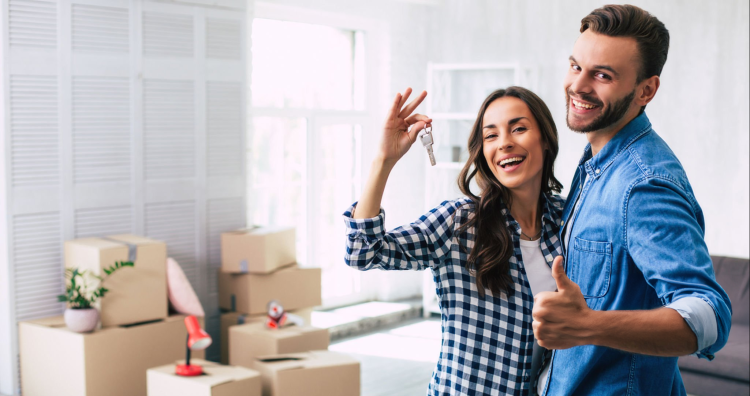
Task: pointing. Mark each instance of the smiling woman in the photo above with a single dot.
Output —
(515, 140)
(489, 254)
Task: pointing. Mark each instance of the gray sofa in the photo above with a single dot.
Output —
(729, 372)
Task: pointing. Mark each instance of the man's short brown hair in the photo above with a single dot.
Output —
(630, 21)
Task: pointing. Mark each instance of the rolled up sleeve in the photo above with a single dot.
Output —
(701, 318)
(664, 236)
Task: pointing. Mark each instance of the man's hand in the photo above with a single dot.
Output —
(561, 318)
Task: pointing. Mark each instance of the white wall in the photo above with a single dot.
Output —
(701, 109)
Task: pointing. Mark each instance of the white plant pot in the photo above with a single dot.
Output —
(81, 320)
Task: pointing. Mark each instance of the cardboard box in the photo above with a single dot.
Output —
(246, 342)
(293, 287)
(108, 362)
(136, 294)
(217, 380)
(229, 319)
(258, 250)
(315, 373)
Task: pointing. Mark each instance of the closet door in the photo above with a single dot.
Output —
(119, 116)
(193, 137)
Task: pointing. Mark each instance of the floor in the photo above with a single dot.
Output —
(396, 361)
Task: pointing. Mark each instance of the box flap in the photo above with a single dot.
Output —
(134, 239)
(286, 268)
(58, 322)
(288, 361)
(233, 372)
(312, 359)
(260, 330)
(329, 358)
(52, 321)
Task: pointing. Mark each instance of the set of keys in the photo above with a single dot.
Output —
(425, 136)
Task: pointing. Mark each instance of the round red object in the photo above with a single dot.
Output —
(188, 371)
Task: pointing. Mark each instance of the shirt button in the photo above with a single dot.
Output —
(562, 223)
(598, 171)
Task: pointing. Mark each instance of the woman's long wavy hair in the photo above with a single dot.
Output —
(493, 245)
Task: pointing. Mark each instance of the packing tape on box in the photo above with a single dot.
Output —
(243, 266)
(132, 249)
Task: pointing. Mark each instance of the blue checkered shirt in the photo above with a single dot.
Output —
(487, 342)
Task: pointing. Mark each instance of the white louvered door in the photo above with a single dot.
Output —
(119, 116)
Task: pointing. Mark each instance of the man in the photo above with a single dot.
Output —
(637, 288)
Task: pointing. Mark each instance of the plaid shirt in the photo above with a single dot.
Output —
(487, 342)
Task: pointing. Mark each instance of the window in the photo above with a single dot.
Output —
(305, 66)
(304, 161)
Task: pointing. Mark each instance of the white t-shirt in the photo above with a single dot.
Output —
(537, 270)
(540, 279)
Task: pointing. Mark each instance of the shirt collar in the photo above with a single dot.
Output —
(597, 164)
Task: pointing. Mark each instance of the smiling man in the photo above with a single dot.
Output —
(637, 288)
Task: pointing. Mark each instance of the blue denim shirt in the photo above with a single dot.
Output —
(636, 243)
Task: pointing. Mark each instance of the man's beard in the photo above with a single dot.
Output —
(610, 116)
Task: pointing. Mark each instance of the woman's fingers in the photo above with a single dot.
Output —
(413, 105)
(404, 98)
(395, 108)
(418, 117)
(415, 129)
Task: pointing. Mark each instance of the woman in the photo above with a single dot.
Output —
(489, 253)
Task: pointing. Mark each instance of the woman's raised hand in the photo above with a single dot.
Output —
(396, 140)
(397, 136)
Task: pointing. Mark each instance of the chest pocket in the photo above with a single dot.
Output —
(590, 266)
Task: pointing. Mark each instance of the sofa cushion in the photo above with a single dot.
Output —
(731, 361)
(733, 274)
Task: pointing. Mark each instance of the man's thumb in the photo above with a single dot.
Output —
(558, 272)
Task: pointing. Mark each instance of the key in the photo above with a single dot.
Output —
(425, 136)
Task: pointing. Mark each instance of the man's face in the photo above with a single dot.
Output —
(601, 81)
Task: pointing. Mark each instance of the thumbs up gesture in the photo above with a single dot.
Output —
(561, 318)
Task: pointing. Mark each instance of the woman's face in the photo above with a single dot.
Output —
(512, 144)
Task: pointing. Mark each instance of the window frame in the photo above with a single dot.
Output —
(375, 32)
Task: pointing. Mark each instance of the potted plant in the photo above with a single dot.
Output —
(82, 289)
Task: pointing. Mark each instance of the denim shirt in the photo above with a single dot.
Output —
(636, 243)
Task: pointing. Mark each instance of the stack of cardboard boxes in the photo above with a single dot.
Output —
(258, 266)
(136, 331)
(135, 350)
